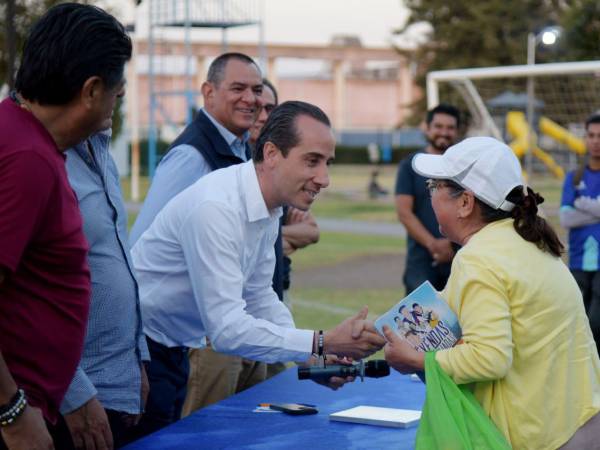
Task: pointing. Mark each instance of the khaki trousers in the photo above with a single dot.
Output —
(275, 369)
(215, 376)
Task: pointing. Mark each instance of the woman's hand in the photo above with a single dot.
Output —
(400, 354)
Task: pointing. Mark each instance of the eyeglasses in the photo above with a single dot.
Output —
(434, 185)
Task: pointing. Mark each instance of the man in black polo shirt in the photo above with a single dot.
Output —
(429, 254)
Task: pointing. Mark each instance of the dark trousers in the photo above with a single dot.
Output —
(122, 433)
(168, 373)
(59, 433)
(417, 272)
(589, 284)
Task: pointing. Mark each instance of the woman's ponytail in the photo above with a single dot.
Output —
(526, 221)
(529, 225)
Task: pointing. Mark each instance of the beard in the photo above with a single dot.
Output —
(440, 144)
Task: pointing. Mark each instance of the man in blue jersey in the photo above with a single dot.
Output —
(580, 214)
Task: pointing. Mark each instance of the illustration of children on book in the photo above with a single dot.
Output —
(407, 328)
(416, 319)
(424, 319)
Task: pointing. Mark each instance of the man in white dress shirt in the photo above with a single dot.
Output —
(205, 265)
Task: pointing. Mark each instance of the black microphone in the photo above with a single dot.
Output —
(376, 368)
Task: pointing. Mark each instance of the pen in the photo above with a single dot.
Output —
(266, 405)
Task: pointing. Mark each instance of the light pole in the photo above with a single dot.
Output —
(548, 36)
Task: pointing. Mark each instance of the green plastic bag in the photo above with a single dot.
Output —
(452, 418)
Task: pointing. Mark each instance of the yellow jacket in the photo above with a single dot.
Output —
(528, 349)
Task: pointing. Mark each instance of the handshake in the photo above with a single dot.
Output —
(353, 339)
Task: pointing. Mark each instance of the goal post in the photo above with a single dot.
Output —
(497, 104)
(479, 73)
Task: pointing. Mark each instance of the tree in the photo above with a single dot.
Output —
(19, 16)
(582, 30)
(466, 33)
(11, 44)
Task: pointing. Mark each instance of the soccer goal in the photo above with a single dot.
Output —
(541, 107)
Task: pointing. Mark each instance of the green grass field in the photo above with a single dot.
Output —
(334, 248)
(323, 308)
(346, 197)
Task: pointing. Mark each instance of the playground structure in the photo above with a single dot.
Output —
(518, 128)
(569, 95)
(366, 91)
(185, 16)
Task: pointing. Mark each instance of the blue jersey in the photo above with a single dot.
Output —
(584, 253)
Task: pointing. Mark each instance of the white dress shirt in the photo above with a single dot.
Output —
(205, 268)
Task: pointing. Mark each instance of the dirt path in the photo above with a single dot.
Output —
(367, 272)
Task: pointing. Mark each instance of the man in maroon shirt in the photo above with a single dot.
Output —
(70, 77)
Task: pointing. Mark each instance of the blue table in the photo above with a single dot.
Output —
(232, 424)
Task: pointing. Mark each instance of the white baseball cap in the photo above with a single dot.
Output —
(482, 165)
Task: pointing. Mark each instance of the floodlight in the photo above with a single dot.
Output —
(549, 37)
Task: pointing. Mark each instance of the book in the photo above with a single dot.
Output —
(423, 319)
(374, 415)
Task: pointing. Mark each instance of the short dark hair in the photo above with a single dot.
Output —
(580, 171)
(594, 118)
(444, 108)
(216, 70)
(268, 84)
(68, 45)
(281, 130)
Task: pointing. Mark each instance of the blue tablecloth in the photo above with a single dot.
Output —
(232, 424)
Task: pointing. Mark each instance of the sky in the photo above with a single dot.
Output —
(303, 21)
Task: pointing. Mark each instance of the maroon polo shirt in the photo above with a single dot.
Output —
(44, 298)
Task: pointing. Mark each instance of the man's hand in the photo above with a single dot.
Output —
(334, 382)
(355, 337)
(299, 231)
(400, 354)
(28, 432)
(89, 427)
(441, 250)
(296, 215)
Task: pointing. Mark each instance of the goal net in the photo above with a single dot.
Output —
(541, 107)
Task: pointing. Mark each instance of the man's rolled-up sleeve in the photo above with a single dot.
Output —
(80, 391)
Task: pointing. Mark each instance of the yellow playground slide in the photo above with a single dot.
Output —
(517, 126)
(562, 135)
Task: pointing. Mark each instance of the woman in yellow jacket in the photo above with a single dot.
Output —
(527, 350)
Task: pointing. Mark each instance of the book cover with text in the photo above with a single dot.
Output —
(424, 319)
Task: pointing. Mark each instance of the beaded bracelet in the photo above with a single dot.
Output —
(321, 351)
(320, 343)
(10, 404)
(11, 411)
